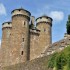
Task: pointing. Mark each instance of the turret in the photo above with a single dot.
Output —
(44, 24)
(6, 31)
(20, 35)
(6, 25)
(44, 19)
(22, 12)
(21, 16)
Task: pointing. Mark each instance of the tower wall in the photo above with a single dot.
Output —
(44, 24)
(34, 44)
(20, 36)
(6, 31)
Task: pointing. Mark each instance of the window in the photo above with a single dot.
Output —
(44, 30)
(24, 23)
(22, 53)
(23, 39)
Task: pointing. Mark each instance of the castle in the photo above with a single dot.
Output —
(21, 40)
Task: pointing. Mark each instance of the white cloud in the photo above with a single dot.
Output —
(57, 15)
(2, 9)
(42, 11)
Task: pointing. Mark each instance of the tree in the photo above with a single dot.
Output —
(61, 60)
(68, 25)
(51, 62)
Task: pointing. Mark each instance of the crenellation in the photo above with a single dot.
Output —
(7, 25)
(45, 19)
(34, 31)
(21, 12)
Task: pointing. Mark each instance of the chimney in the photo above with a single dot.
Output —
(32, 20)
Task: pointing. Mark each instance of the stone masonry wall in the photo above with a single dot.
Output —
(5, 49)
(19, 39)
(34, 44)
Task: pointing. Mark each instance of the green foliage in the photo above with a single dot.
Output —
(68, 25)
(60, 61)
(51, 62)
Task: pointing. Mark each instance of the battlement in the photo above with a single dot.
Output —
(6, 25)
(35, 31)
(21, 11)
(44, 19)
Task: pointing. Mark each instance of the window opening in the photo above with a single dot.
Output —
(22, 53)
(44, 30)
(23, 39)
(24, 23)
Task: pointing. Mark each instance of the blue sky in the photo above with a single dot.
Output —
(57, 9)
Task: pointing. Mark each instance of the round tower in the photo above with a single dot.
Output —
(44, 24)
(20, 35)
(6, 31)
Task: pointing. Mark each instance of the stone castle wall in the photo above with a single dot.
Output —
(21, 43)
(41, 40)
(6, 27)
(19, 37)
(34, 44)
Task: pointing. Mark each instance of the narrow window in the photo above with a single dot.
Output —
(22, 53)
(44, 30)
(24, 23)
(23, 39)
